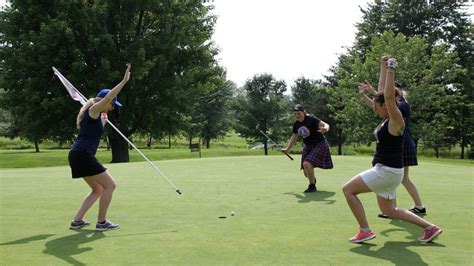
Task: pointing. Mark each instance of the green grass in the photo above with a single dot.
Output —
(274, 224)
(47, 158)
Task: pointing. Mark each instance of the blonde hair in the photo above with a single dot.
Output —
(80, 115)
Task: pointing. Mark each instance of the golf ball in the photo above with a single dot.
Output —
(232, 213)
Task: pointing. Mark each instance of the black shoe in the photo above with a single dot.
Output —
(311, 188)
(383, 216)
(78, 224)
(419, 212)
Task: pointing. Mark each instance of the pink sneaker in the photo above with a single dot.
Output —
(431, 234)
(362, 236)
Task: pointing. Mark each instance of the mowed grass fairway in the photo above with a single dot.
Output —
(275, 223)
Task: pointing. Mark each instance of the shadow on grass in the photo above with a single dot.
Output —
(66, 247)
(26, 240)
(395, 251)
(320, 195)
(414, 230)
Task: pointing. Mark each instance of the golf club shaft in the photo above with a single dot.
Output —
(261, 132)
(289, 156)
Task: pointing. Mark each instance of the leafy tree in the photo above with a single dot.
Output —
(167, 43)
(438, 103)
(212, 119)
(438, 22)
(263, 104)
(418, 71)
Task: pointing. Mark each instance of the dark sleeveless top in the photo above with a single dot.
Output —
(389, 150)
(89, 134)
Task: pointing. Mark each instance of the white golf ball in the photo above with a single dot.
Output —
(232, 213)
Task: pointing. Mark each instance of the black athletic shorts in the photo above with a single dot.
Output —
(84, 164)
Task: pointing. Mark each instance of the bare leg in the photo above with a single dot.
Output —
(90, 198)
(353, 187)
(108, 184)
(309, 172)
(387, 207)
(410, 187)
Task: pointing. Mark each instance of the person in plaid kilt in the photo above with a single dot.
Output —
(316, 151)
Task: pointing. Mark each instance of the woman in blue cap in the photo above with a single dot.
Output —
(82, 155)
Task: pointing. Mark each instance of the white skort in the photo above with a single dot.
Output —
(383, 180)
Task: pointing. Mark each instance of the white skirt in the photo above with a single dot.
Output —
(383, 180)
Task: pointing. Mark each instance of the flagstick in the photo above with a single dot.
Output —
(84, 100)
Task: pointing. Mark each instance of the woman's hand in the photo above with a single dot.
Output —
(126, 77)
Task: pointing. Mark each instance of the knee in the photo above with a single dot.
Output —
(307, 165)
(346, 190)
(388, 210)
(97, 190)
(112, 186)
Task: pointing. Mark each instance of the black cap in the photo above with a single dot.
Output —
(298, 108)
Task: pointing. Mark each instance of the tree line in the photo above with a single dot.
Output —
(179, 88)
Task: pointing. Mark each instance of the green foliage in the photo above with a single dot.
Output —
(265, 104)
(167, 43)
(211, 118)
(433, 43)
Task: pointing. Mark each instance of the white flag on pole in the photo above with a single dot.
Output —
(70, 88)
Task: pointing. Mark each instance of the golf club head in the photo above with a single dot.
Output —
(257, 127)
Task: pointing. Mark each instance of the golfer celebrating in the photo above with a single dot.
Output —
(387, 173)
(82, 155)
(316, 148)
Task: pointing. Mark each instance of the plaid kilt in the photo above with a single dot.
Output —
(409, 157)
(319, 155)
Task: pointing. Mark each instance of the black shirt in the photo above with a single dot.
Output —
(308, 130)
(389, 150)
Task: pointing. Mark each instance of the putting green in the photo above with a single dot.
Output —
(274, 222)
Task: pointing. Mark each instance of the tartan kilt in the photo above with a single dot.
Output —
(319, 156)
(409, 157)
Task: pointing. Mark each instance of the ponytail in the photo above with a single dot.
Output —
(80, 115)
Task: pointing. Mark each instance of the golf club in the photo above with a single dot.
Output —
(257, 127)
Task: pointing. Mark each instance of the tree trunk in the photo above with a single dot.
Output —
(37, 146)
(119, 146)
(339, 142)
(108, 143)
(436, 152)
(208, 143)
(148, 143)
(169, 140)
(265, 147)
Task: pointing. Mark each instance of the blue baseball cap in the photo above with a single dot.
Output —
(104, 92)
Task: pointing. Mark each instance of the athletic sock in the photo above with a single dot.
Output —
(420, 207)
(312, 185)
(365, 229)
(103, 222)
(429, 227)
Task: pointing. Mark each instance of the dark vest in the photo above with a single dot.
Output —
(89, 134)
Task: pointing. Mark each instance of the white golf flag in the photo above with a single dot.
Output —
(69, 87)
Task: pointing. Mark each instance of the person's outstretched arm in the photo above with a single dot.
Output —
(396, 123)
(97, 107)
